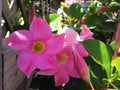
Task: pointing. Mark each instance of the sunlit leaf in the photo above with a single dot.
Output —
(100, 53)
(54, 21)
(117, 64)
(112, 48)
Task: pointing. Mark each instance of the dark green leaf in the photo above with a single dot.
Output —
(76, 11)
(76, 84)
(100, 53)
(97, 73)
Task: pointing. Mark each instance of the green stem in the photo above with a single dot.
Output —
(114, 78)
(113, 86)
(109, 81)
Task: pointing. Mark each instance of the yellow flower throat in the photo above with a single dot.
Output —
(62, 58)
(38, 47)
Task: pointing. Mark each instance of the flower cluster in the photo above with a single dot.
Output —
(68, 51)
(53, 54)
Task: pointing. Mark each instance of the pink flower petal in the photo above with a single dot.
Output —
(70, 36)
(26, 63)
(81, 67)
(69, 56)
(45, 62)
(69, 2)
(40, 29)
(85, 34)
(69, 65)
(117, 37)
(19, 40)
(103, 8)
(72, 72)
(47, 72)
(61, 77)
(32, 12)
(55, 44)
(109, 20)
(80, 49)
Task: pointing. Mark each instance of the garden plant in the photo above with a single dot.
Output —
(76, 48)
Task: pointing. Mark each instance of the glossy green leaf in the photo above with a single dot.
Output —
(54, 21)
(100, 53)
(75, 12)
(66, 10)
(97, 73)
(94, 18)
(112, 47)
(117, 64)
(117, 83)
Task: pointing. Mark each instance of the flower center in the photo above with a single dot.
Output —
(38, 46)
(62, 58)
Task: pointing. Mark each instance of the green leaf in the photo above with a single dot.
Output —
(76, 11)
(117, 83)
(100, 53)
(94, 18)
(66, 10)
(54, 21)
(76, 84)
(117, 64)
(97, 73)
(111, 15)
(106, 27)
(112, 47)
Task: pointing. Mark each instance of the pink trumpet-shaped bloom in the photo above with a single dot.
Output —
(32, 12)
(68, 63)
(117, 41)
(81, 66)
(65, 62)
(117, 37)
(82, 20)
(72, 38)
(35, 46)
(103, 8)
(85, 33)
(69, 2)
(79, 52)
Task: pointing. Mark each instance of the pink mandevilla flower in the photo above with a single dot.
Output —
(103, 8)
(32, 12)
(68, 64)
(73, 35)
(69, 2)
(35, 46)
(81, 66)
(85, 33)
(117, 41)
(79, 51)
(72, 38)
(64, 61)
